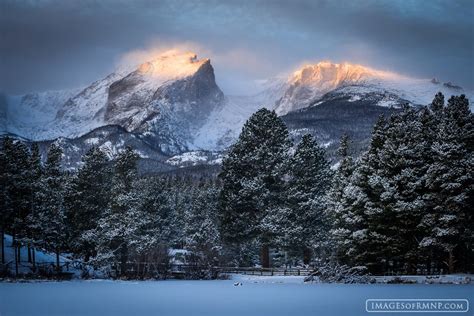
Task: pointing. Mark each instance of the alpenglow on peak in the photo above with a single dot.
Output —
(312, 81)
(172, 64)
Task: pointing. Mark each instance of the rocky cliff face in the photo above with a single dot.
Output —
(166, 100)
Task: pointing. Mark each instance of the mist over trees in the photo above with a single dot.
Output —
(404, 206)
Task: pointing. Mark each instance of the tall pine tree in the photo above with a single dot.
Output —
(252, 182)
(302, 224)
(117, 228)
(51, 218)
(338, 212)
(87, 199)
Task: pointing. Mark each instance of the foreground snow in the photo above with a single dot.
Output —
(293, 279)
(208, 298)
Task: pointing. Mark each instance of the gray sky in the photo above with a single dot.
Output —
(48, 44)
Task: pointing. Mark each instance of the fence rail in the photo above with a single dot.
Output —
(153, 268)
(267, 271)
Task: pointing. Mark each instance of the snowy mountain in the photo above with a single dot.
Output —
(165, 99)
(32, 115)
(313, 85)
(312, 82)
(171, 105)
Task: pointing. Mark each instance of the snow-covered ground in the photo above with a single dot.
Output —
(241, 278)
(428, 279)
(193, 158)
(220, 297)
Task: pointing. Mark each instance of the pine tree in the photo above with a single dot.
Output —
(450, 178)
(179, 201)
(252, 182)
(372, 236)
(116, 229)
(86, 200)
(410, 196)
(51, 217)
(34, 180)
(154, 231)
(338, 212)
(18, 192)
(201, 227)
(6, 206)
(302, 223)
(391, 183)
(438, 103)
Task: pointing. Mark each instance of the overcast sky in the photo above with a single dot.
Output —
(48, 44)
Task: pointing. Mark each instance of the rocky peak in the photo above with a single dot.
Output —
(331, 75)
(313, 81)
(170, 78)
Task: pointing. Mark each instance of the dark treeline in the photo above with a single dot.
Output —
(403, 206)
(105, 213)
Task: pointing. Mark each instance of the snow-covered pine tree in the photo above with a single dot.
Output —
(394, 191)
(450, 178)
(302, 224)
(6, 206)
(362, 199)
(337, 211)
(51, 218)
(437, 105)
(178, 193)
(252, 182)
(34, 179)
(117, 227)
(86, 199)
(153, 236)
(430, 118)
(201, 227)
(17, 192)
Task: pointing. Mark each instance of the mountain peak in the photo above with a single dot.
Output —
(327, 73)
(172, 64)
(314, 80)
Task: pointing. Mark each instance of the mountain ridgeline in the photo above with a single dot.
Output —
(171, 109)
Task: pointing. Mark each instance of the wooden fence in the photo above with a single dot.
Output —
(152, 269)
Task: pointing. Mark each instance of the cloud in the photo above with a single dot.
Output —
(52, 44)
(235, 69)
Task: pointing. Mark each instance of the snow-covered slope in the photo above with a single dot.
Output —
(82, 112)
(194, 158)
(32, 115)
(224, 124)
